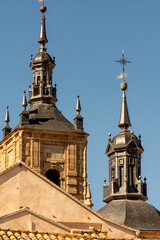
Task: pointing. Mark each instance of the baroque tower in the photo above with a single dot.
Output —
(126, 193)
(44, 139)
(124, 156)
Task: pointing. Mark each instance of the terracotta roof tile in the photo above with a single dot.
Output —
(46, 236)
(4, 236)
(32, 236)
(18, 236)
(25, 236)
(53, 237)
(7, 234)
(39, 236)
(61, 238)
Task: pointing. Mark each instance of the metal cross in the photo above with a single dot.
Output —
(123, 61)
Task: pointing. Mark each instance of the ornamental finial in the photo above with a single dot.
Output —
(78, 106)
(43, 38)
(24, 102)
(7, 119)
(123, 75)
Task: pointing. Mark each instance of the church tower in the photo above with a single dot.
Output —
(124, 156)
(44, 139)
(126, 193)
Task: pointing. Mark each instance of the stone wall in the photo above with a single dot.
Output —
(46, 150)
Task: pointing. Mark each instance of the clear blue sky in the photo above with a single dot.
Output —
(86, 37)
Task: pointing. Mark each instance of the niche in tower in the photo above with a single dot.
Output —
(45, 90)
(54, 176)
(121, 176)
(131, 168)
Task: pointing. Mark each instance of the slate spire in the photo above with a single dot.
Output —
(24, 102)
(124, 122)
(78, 120)
(124, 152)
(78, 106)
(42, 65)
(24, 115)
(7, 129)
(43, 38)
(7, 119)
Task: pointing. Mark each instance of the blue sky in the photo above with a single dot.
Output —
(86, 37)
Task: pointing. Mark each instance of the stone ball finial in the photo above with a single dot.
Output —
(43, 9)
(123, 86)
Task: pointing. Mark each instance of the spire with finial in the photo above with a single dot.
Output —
(78, 106)
(124, 122)
(124, 153)
(78, 120)
(24, 115)
(24, 102)
(7, 119)
(43, 38)
(7, 129)
(88, 201)
(42, 65)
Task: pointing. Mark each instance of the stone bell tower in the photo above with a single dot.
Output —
(124, 156)
(125, 194)
(44, 139)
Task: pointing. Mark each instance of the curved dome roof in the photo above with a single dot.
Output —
(124, 137)
(42, 56)
(133, 213)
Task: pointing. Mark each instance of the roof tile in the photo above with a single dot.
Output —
(7, 234)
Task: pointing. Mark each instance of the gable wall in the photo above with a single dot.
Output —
(29, 190)
(9, 191)
(28, 221)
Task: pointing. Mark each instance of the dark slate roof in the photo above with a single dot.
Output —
(42, 56)
(46, 116)
(124, 139)
(133, 213)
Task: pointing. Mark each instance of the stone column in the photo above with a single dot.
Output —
(125, 172)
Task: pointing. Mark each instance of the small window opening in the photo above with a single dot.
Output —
(121, 175)
(112, 173)
(38, 80)
(54, 176)
(130, 176)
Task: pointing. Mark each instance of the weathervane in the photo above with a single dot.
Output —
(123, 61)
(42, 1)
(123, 75)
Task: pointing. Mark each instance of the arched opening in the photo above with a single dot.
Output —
(38, 80)
(54, 176)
